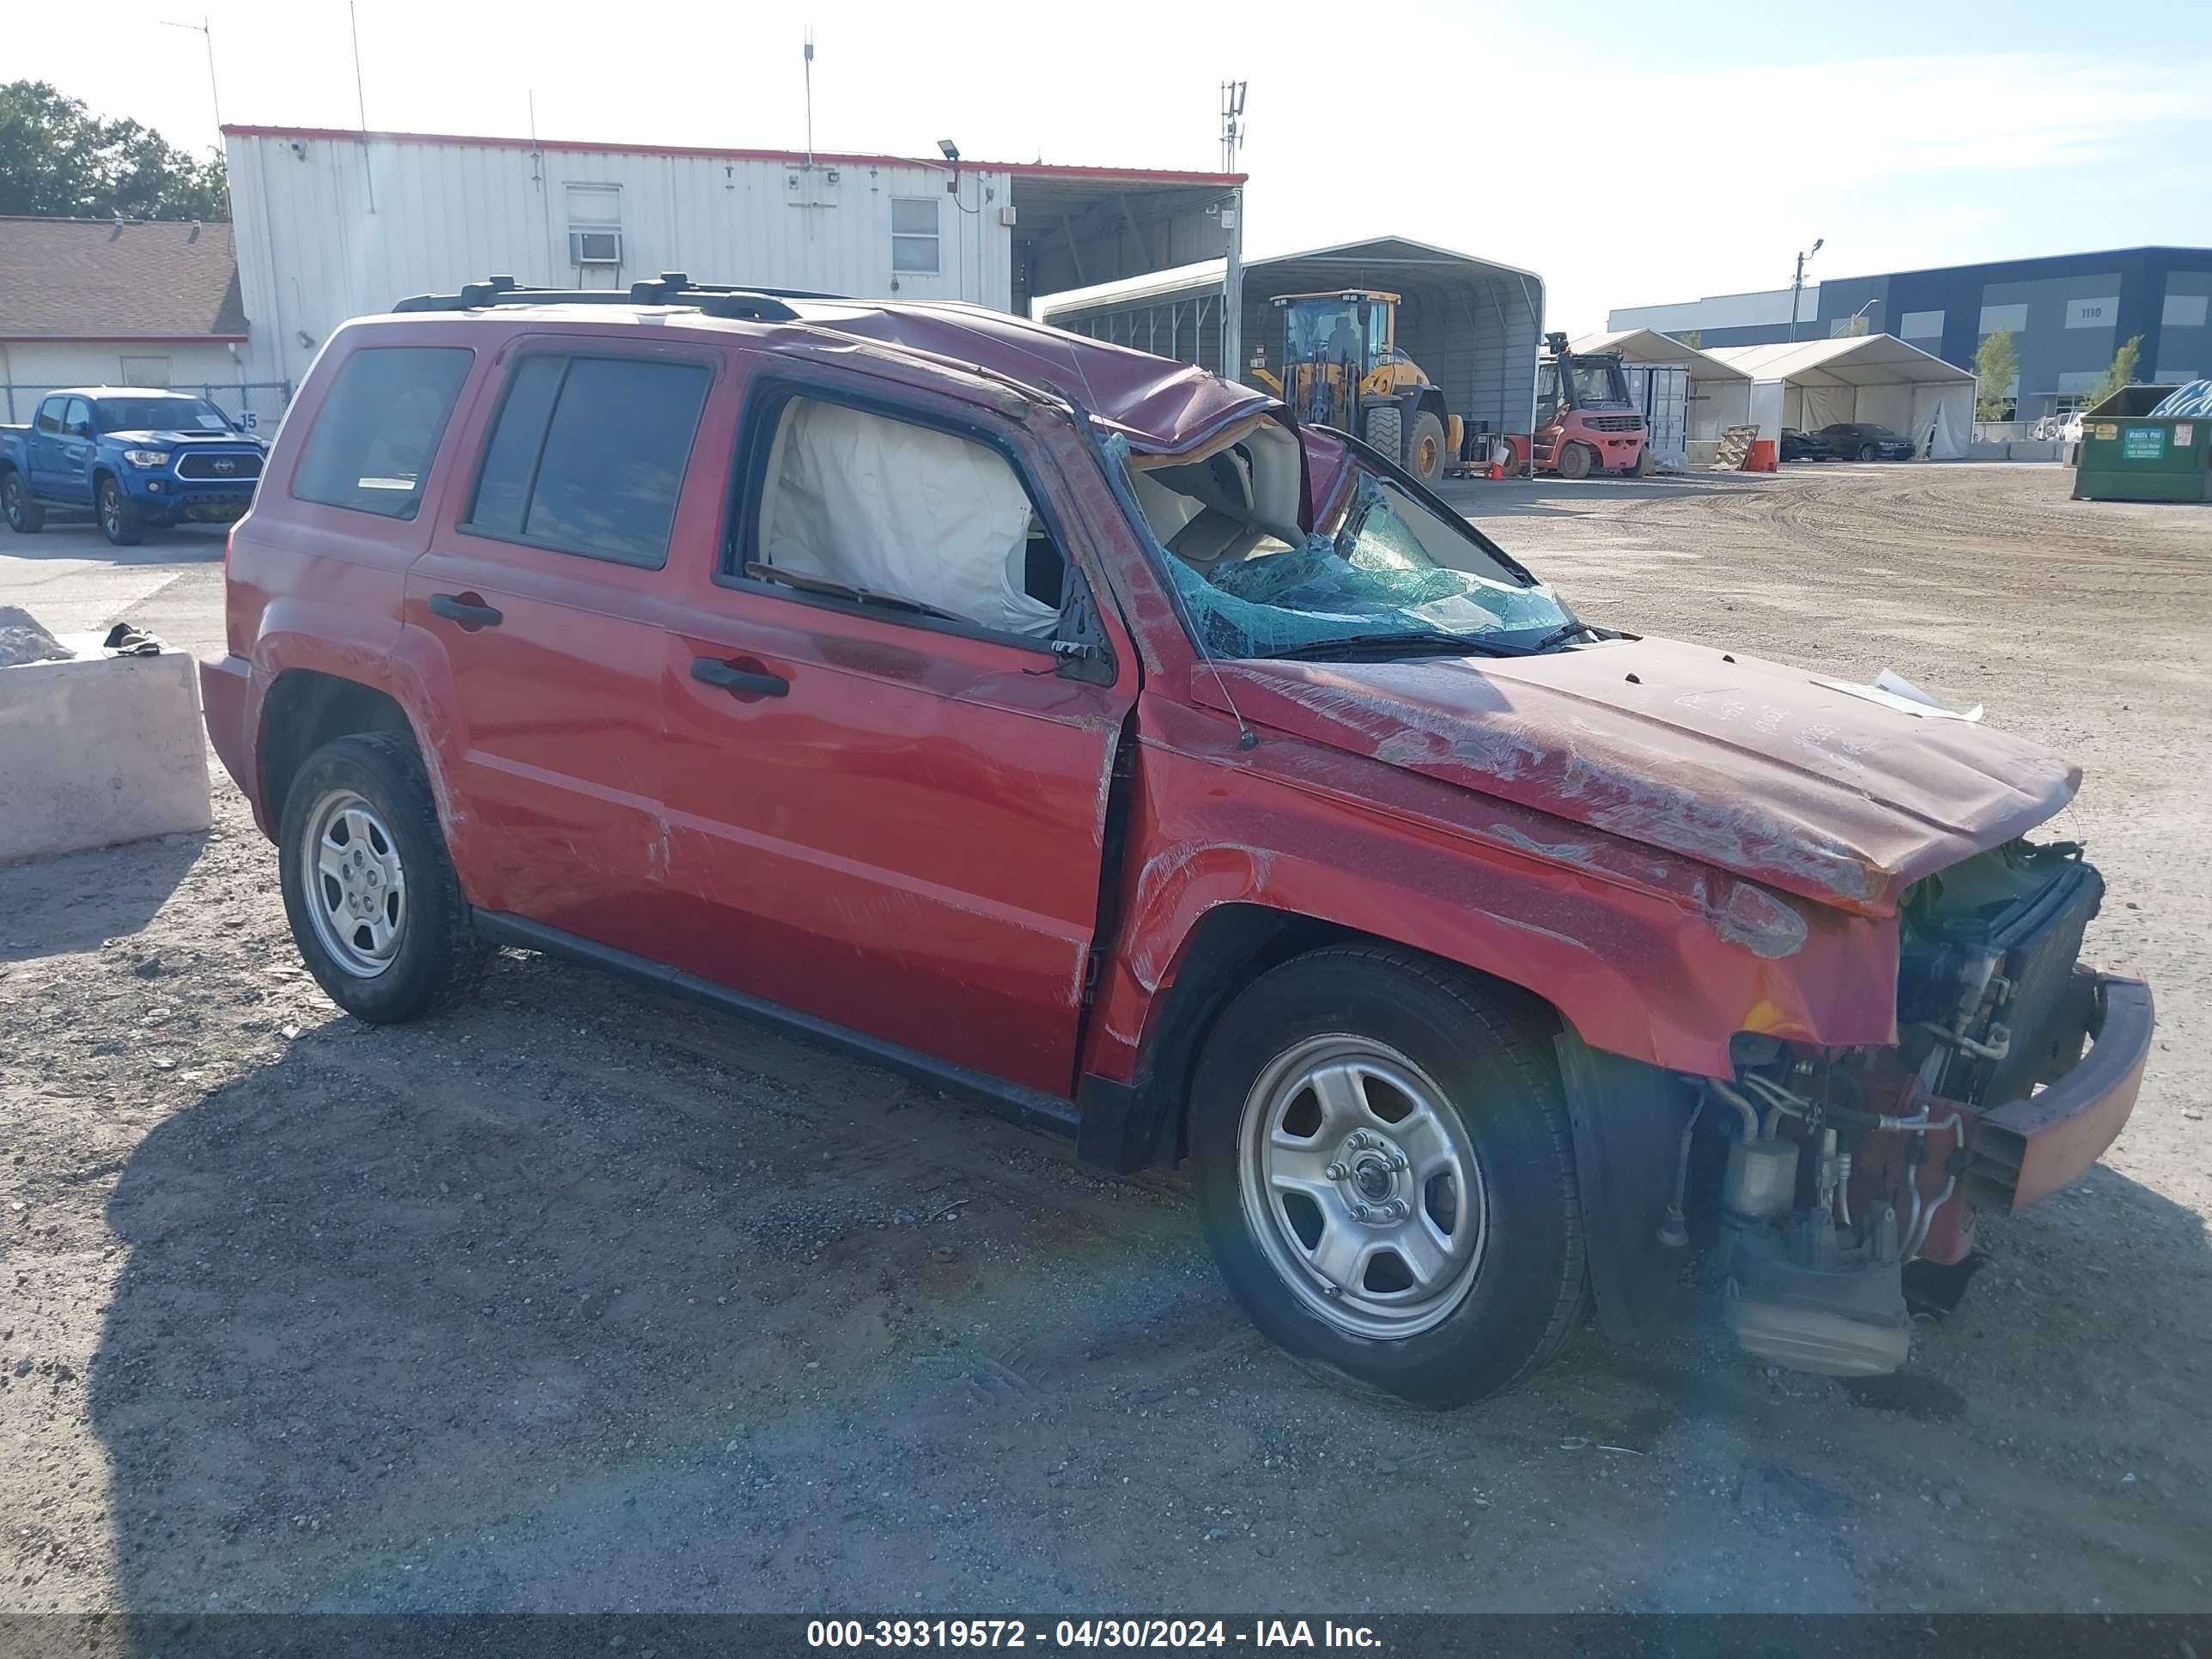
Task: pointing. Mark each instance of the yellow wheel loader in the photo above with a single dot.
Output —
(1342, 367)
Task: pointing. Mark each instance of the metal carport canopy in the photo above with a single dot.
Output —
(1474, 324)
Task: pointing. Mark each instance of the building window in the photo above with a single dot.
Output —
(913, 234)
(1920, 326)
(2185, 310)
(595, 225)
(146, 371)
(2097, 311)
(2004, 319)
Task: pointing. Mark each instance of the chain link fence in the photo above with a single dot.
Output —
(257, 406)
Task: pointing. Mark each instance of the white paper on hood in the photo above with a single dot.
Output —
(1892, 691)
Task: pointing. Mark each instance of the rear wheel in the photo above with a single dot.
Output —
(25, 516)
(1576, 461)
(1385, 1175)
(1425, 455)
(374, 905)
(1386, 431)
(1645, 465)
(119, 519)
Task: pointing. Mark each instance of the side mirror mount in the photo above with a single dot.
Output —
(1080, 646)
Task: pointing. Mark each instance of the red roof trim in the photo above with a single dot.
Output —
(121, 339)
(1018, 169)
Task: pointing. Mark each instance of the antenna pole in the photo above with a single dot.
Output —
(361, 104)
(1232, 209)
(808, 59)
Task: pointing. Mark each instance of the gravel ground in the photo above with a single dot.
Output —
(585, 1298)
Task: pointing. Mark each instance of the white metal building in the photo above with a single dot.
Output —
(333, 224)
(1874, 378)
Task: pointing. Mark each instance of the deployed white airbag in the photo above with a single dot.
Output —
(900, 509)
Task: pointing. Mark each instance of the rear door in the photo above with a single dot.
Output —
(71, 480)
(42, 443)
(547, 592)
(890, 819)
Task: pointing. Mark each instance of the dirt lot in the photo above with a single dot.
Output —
(585, 1298)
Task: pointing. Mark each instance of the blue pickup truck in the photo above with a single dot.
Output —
(136, 459)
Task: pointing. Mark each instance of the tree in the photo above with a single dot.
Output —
(1854, 326)
(1997, 369)
(2122, 372)
(59, 161)
(1691, 337)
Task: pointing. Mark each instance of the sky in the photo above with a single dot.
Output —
(1657, 155)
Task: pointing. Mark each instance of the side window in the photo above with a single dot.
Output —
(78, 420)
(50, 415)
(377, 434)
(878, 508)
(588, 456)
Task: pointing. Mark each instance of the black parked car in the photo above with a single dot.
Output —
(1857, 440)
(1805, 445)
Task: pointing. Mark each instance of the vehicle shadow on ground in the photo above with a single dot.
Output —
(74, 901)
(423, 1319)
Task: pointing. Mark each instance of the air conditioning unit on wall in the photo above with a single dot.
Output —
(595, 247)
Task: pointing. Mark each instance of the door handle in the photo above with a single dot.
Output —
(468, 613)
(715, 672)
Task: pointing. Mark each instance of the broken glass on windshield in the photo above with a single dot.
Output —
(1390, 565)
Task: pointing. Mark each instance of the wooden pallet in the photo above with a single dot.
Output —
(1735, 448)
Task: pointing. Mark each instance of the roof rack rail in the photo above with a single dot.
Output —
(670, 288)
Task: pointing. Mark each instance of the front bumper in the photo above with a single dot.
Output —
(2025, 1149)
(169, 499)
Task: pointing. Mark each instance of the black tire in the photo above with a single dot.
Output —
(1577, 462)
(26, 517)
(1645, 466)
(1868, 452)
(120, 520)
(1424, 453)
(1490, 1055)
(439, 957)
(1386, 431)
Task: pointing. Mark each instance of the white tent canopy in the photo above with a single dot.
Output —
(1720, 392)
(1873, 378)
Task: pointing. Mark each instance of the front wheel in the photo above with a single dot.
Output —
(26, 517)
(1868, 452)
(1384, 1174)
(1386, 433)
(376, 907)
(120, 520)
(1424, 453)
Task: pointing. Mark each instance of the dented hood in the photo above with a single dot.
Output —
(1749, 766)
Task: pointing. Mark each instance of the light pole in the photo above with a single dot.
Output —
(1797, 284)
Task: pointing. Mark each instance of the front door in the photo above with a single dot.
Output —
(890, 815)
(548, 587)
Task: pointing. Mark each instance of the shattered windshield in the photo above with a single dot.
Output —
(1389, 568)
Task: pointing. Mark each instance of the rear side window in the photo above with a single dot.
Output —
(373, 443)
(588, 456)
(50, 415)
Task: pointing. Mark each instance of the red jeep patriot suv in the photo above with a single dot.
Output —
(1070, 728)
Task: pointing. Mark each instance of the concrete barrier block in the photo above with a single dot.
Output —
(97, 750)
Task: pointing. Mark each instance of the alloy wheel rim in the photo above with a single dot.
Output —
(1362, 1188)
(354, 886)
